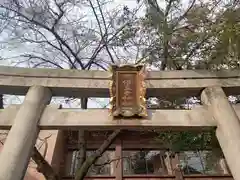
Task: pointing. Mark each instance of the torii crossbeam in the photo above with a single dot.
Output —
(40, 84)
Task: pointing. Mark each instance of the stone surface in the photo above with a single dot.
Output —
(77, 82)
(228, 126)
(50, 150)
(17, 149)
(53, 118)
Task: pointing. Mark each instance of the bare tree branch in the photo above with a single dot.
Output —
(56, 35)
(99, 48)
(168, 8)
(81, 139)
(184, 14)
(58, 16)
(43, 166)
(80, 174)
(30, 56)
(103, 36)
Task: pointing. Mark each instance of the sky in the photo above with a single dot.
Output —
(93, 102)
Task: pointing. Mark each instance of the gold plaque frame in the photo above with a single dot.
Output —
(137, 104)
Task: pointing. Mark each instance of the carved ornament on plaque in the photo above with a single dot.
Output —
(127, 91)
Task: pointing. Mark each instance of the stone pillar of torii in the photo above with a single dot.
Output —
(228, 126)
(16, 153)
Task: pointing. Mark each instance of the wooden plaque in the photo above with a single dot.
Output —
(127, 91)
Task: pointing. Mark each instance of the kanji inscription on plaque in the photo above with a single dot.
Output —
(127, 91)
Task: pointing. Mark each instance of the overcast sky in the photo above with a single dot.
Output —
(93, 103)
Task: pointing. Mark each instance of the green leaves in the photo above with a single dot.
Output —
(227, 44)
(201, 35)
(181, 141)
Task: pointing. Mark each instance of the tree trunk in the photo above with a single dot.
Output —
(81, 148)
(43, 166)
(165, 62)
(82, 171)
(81, 139)
(1, 101)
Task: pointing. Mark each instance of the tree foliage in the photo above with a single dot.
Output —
(189, 34)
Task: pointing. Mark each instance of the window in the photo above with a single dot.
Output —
(143, 162)
(103, 166)
(200, 162)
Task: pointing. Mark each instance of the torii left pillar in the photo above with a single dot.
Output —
(21, 139)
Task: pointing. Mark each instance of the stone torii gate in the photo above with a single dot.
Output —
(39, 85)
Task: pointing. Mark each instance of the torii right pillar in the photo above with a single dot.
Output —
(228, 126)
